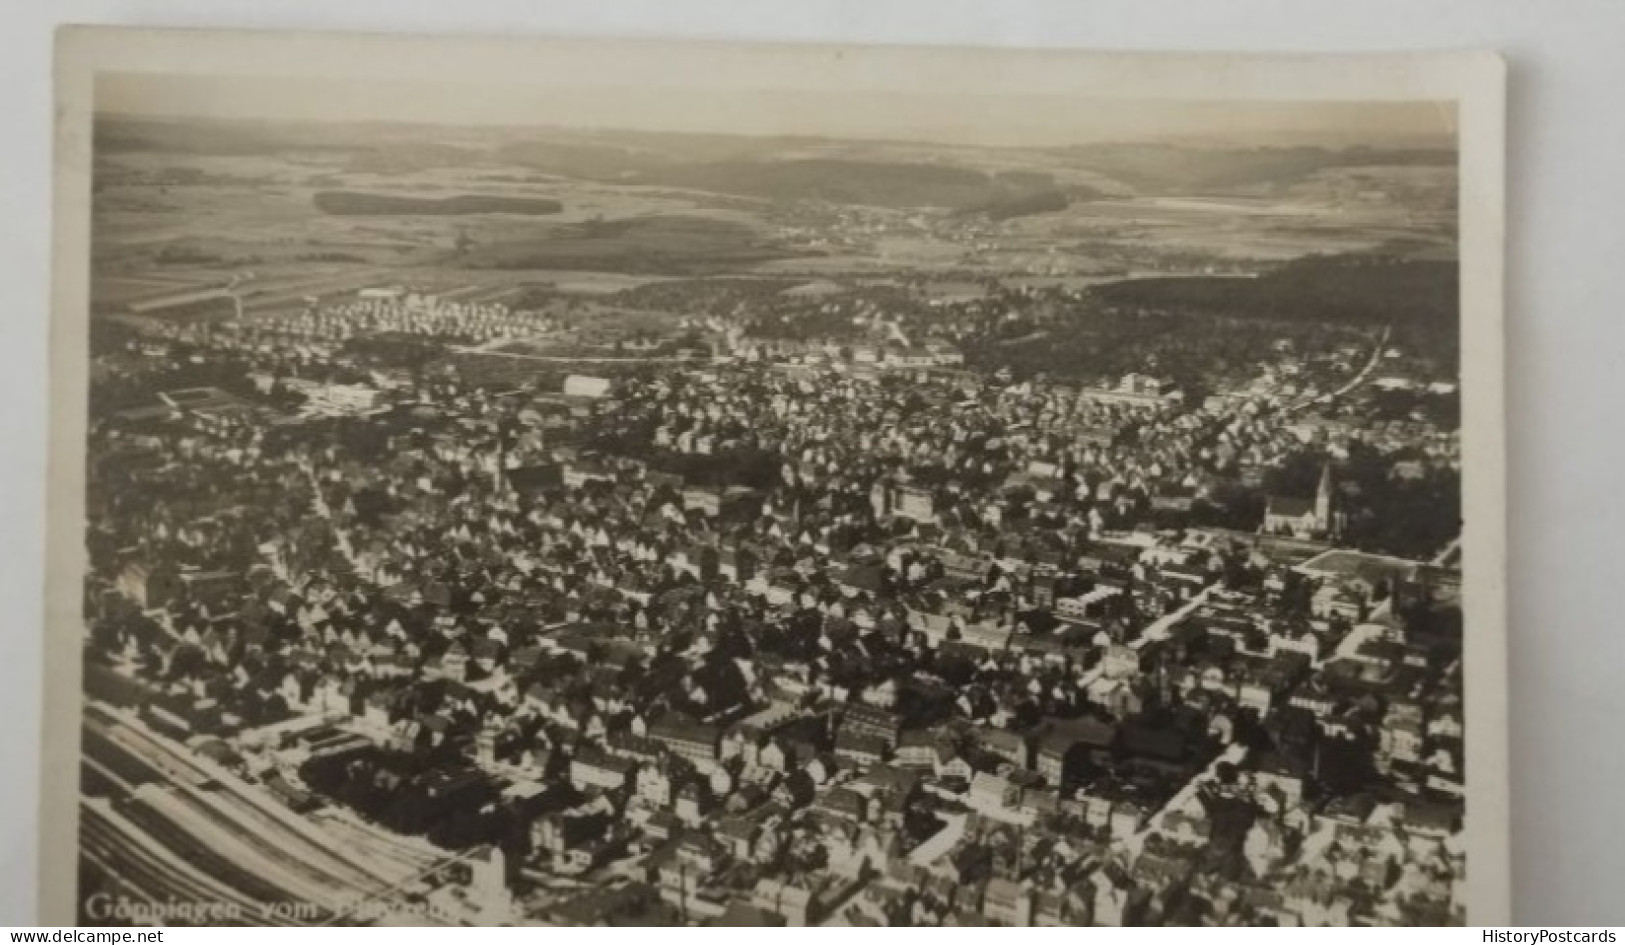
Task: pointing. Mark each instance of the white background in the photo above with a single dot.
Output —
(1566, 344)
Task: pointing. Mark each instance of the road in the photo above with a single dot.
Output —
(940, 843)
(1356, 381)
(1135, 842)
(1442, 559)
(1158, 629)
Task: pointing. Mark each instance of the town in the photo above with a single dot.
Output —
(791, 603)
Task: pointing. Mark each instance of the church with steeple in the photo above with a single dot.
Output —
(1304, 518)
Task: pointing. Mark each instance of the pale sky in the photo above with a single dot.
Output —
(955, 117)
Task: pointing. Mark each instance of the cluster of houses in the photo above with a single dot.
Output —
(791, 649)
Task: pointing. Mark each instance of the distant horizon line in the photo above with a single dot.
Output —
(1290, 140)
(995, 119)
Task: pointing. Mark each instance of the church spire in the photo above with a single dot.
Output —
(1323, 501)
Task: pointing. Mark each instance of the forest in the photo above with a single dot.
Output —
(1420, 299)
(356, 203)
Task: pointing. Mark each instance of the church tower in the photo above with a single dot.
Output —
(881, 499)
(1325, 516)
(488, 886)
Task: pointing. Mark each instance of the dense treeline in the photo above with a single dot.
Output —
(1340, 289)
(1025, 203)
(1087, 343)
(1384, 513)
(355, 203)
(1175, 168)
(872, 183)
(1420, 299)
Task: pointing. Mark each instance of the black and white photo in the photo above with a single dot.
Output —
(832, 487)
